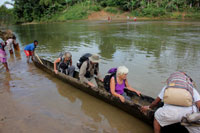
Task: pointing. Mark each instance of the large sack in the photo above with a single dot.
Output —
(178, 96)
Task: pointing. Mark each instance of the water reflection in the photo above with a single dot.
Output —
(110, 118)
(151, 51)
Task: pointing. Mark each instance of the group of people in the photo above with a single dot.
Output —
(10, 43)
(89, 69)
(166, 115)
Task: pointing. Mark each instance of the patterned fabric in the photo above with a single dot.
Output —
(180, 80)
(2, 56)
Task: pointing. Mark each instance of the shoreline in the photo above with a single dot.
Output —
(114, 20)
(126, 16)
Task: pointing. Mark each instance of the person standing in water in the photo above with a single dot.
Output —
(29, 50)
(3, 58)
(10, 43)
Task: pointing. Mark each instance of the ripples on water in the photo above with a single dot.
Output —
(150, 49)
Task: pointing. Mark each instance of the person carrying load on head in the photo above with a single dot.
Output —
(117, 82)
(89, 68)
(29, 50)
(10, 43)
(180, 98)
(3, 59)
(64, 65)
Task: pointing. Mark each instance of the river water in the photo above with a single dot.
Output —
(150, 49)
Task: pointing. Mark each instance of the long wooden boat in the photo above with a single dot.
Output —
(132, 106)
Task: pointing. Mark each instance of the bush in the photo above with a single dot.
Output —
(176, 15)
(155, 12)
(111, 10)
(158, 12)
(76, 12)
(135, 13)
(95, 8)
(193, 16)
(105, 3)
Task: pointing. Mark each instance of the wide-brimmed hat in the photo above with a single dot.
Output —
(94, 58)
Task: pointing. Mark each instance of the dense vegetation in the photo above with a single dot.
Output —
(44, 10)
(6, 15)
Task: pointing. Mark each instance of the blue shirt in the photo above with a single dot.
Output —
(30, 47)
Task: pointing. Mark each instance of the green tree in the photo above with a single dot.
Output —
(6, 15)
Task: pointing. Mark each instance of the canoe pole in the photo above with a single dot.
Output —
(39, 59)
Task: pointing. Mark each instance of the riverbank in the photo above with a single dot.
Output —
(85, 11)
(103, 15)
(125, 16)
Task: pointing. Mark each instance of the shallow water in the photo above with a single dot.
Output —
(37, 102)
(150, 49)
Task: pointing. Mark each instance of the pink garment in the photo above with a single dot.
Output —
(2, 56)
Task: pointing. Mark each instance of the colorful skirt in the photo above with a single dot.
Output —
(2, 56)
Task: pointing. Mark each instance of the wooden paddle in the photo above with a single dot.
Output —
(39, 59)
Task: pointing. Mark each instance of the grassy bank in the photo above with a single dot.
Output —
(81, 11)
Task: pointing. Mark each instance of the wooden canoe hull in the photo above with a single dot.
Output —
(131, 107)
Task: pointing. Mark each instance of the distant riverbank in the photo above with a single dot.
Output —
(62, 11)
(126, 16)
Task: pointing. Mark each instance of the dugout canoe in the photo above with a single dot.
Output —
(130, 106)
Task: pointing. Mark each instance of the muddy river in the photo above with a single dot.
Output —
(33, 101)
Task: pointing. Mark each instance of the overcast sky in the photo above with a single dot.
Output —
(2, 2)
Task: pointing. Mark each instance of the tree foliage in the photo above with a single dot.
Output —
(29, 10)
(6, 15)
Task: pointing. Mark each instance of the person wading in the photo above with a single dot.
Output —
(3, 58)
(29, 50)
(10, 43)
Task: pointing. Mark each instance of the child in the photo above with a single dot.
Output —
(3, 55)
(11, 41)
(29, 50)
